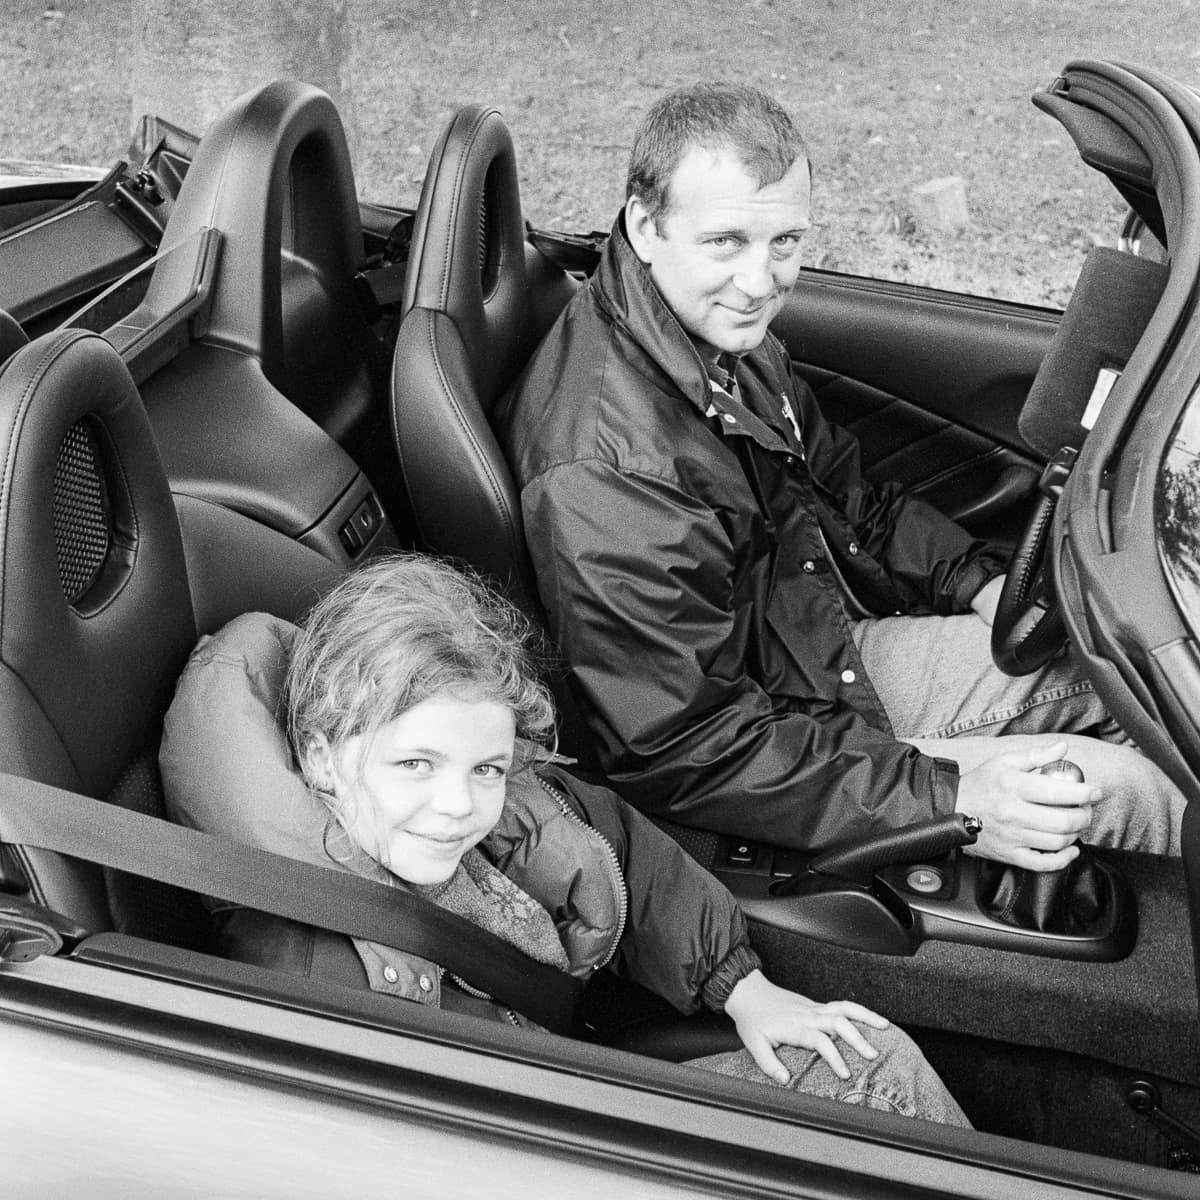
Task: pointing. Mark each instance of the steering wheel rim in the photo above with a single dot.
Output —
(1028, 629)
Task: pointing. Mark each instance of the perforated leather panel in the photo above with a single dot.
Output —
(81, 527)
(699, 843)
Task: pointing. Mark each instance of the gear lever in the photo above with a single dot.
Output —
(1069, 900)
(1063, 767)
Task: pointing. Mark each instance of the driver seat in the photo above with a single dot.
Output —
(478, 299)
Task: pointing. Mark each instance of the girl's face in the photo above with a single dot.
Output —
(430, 786)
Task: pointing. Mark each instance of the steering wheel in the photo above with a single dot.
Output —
(1028, 629)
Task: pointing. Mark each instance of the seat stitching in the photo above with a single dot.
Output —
(456, 199)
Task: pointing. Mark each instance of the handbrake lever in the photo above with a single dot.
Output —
(859, 860)
(846, 895)
(862, 858)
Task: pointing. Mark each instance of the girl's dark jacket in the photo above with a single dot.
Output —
(621, 893)
(688, 545)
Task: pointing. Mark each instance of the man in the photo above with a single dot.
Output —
(765, 643)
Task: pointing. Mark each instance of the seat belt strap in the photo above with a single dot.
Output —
(38, 815)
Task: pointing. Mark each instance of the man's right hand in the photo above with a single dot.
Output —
(1029, 820)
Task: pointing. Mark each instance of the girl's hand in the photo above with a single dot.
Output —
(767, 1016)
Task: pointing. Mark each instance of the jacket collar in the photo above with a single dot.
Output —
(623, 287)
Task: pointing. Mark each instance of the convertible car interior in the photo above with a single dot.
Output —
(261, 381)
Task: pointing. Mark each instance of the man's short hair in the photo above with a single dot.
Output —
(717, 116)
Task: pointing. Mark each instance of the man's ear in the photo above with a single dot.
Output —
(641, 229)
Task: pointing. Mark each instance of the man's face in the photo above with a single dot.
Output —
(726, 252)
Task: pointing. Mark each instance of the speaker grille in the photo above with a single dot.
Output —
(81, 526)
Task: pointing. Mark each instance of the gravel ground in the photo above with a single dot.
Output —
(891, 94)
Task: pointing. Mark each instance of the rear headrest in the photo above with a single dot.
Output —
(1114, 298)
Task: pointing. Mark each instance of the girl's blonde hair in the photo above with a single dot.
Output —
(400, 630)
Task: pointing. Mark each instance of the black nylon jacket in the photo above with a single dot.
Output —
(688, 544)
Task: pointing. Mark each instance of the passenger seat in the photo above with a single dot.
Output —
(96, 616)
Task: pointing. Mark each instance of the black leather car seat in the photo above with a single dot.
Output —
(12, 336)
(95, 614)
(478, 299)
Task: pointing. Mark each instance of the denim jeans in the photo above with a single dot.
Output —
(898, 1081)
(937, 682)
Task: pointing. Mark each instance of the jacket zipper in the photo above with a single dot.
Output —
(572, 815)
(623, 914)
(479, 994)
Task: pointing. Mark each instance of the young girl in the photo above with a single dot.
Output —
(416, 725)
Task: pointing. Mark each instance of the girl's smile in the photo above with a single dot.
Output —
(427, 788)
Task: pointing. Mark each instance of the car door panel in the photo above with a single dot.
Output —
(930, 382)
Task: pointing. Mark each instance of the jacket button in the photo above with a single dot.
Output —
(809, 566)
(848, 676)
(425, 983)
(729, 418)
(853, 547)
(391, 974)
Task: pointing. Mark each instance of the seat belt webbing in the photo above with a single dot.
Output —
(38, 815)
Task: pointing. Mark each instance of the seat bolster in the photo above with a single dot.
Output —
(450, 456)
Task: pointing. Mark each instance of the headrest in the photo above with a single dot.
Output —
(1114, 298)
(226, 764)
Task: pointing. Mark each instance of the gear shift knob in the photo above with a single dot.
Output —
(1063, 767)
